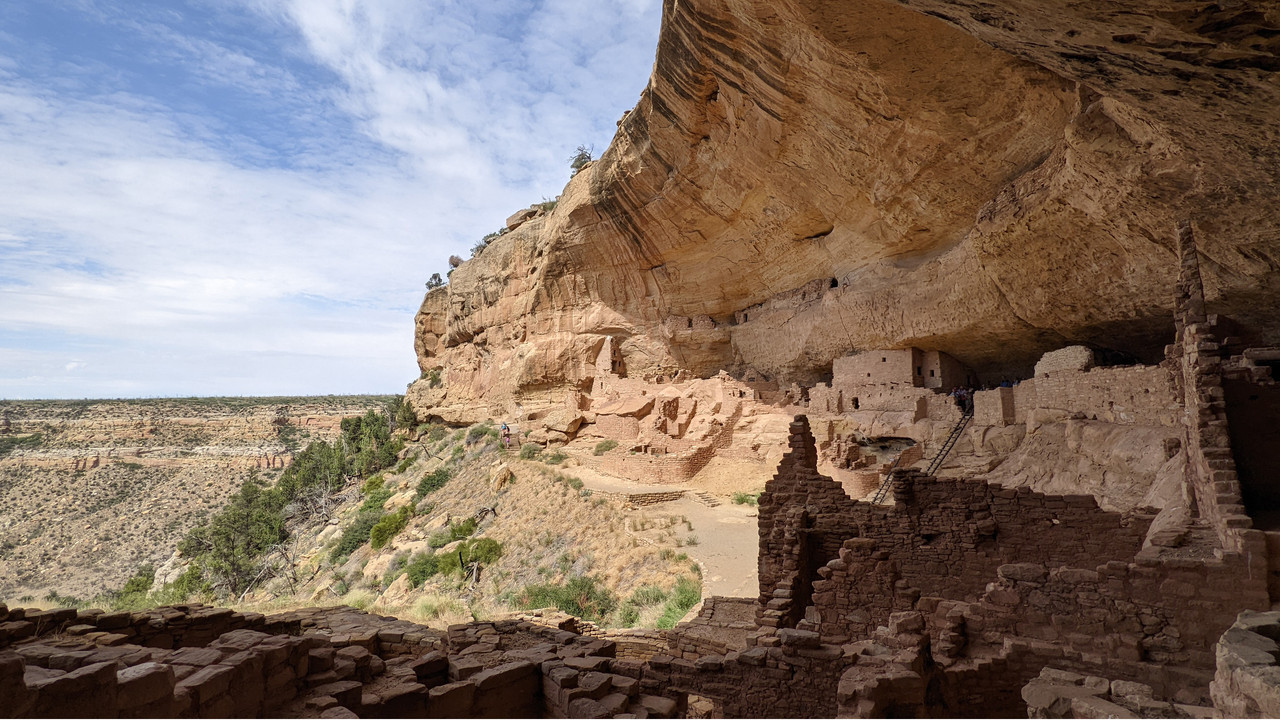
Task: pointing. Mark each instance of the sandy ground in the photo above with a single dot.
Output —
(726, 539)
(728, 546)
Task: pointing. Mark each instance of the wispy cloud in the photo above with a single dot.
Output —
(156, 239)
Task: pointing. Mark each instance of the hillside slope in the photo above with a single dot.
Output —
(542, 527)
(91, 490)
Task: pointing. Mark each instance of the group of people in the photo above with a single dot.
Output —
(964, 399)
(964, 395)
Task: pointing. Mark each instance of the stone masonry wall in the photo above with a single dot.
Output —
(318, 663)
(1131, 395)
(1211, 466)
(946, 536)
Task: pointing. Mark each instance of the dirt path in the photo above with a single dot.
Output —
(728, 546)
(725, 538)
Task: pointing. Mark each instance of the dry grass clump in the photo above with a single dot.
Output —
(437, 608)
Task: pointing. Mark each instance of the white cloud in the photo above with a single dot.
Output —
(165, 253)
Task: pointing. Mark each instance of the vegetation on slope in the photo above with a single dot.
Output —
(231, 547)
(408, 537)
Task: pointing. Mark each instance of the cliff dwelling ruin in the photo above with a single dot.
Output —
(953, 595)
(818, 220)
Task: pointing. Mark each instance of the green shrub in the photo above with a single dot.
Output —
(571, 481)
(356, 534)
(604, 446)
(376, 499)
(388, 527)
(741, 498)
(556, 458)
(320, 465)
(373, 484)
(405, 463)
(422, 566)
(67, 601)
(529, 451)
(628, 616)
(191, 582)
(405, 416)
(580, 158)
(647, 595)
(142, 581)
(395, 569)
(483, 551)
(479, 431)
(582, 596)
(686, 594)
(368, 443)
(436, 432)
(433, 378)
(464, 529)
(433, 481)
(455, 531)
(231, 545)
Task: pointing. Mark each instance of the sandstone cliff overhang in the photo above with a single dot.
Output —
(805, 179)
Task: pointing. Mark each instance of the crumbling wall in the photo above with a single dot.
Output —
(796, 675)
(317, 662)
(1211, 466)
(946, 536)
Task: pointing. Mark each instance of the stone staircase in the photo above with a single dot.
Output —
(705, 498)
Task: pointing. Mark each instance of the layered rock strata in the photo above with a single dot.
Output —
(807, 179)
(91, 490)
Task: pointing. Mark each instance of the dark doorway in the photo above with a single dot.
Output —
(1253, 417)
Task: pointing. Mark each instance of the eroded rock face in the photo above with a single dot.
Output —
(807, 178)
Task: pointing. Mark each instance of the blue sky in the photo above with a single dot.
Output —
(245, 197)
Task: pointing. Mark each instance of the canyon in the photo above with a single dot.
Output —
(91, 490)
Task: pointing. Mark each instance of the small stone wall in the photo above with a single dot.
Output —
(1070, 359)
(796, 675)
(1059, 693)
(639, 644)
(1211, 466)
(640, 499)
